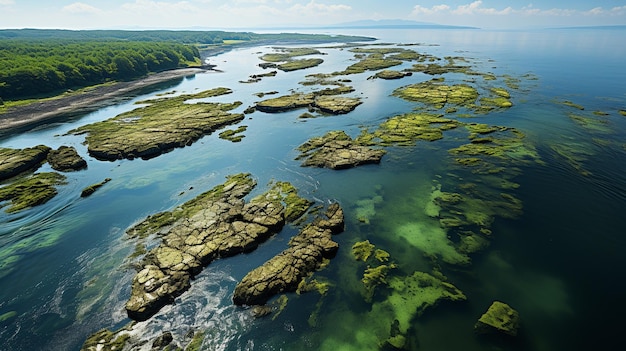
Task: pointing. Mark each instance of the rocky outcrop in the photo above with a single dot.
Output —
(500, 318)
(16, 161)
(163, 125)
(336, 150)
(217, 224)
(285, 271)
(66, 159)
(324, 100)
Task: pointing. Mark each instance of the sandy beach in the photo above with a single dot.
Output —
(17, 118)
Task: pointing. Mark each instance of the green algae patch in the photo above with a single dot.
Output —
(234, 135)
(437, 95)
(572, 104)
(164, 124)
(388, 324)
(575, 155)
(408, 128)
(622, 112)
(503, 143)
(362, 250)
(30, 191)
(16, 161)
(499, 318)
(365, 209)
(591, 123)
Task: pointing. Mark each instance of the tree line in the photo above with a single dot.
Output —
(32, 67)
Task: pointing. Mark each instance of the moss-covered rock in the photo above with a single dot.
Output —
(324, 100)
(336, 105)
(233, 135)
(16, 161)
(285, 271)
(295, 65)
(165, 124)
(92, 188)
(30, 191)
(336, 150)
(65, 159)
(499, 318)
(391, 74)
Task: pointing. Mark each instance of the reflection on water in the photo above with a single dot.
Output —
(555, 257)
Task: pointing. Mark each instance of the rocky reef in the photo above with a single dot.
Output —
(65, 159)
(336, 150)
(16, 161)
(217, 224)
(164, 124)
(285, 271)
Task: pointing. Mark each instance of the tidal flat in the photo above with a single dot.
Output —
(468, 187)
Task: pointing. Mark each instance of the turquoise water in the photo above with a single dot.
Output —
(63, 266)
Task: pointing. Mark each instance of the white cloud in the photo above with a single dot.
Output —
(159, 6)
(317, 8)
(420, 10)
(79, 7)
(7, 2)
(618, 11)
(467, 9)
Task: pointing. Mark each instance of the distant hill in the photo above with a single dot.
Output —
(395, 23)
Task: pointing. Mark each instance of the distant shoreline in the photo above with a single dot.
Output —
(22, 117)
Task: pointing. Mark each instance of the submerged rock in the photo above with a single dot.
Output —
(219, 223)
(499, 318)
(285, 271)
(92, 188)
(336, 150)
(66, 159)
(16, 161)
(30, 191)
(438, 95)
(408, 128)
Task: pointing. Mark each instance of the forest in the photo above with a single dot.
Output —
(36, 66)
(36, 62)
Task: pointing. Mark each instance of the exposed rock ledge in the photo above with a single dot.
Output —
(285, 271)
(219, 223)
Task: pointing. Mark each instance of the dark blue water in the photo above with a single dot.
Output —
(64, 269)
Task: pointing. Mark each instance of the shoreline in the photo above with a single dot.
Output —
(23, 117)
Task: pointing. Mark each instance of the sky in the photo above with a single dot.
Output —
(237, 14)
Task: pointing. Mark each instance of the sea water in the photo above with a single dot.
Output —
(64, 268)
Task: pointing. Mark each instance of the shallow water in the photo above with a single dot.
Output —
(64, 268)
